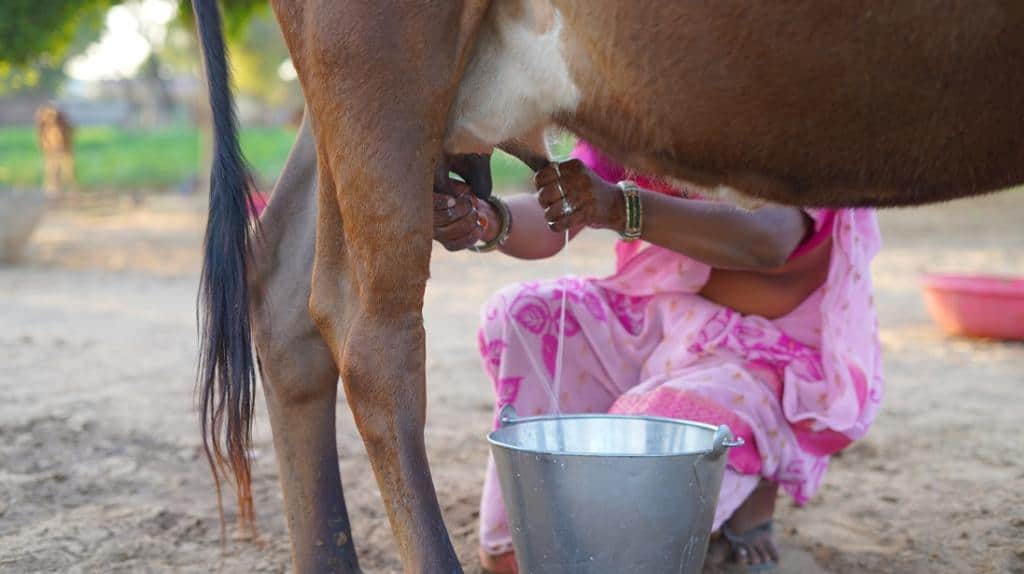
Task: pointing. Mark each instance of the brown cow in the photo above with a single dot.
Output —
(811, 102)
(56, 142)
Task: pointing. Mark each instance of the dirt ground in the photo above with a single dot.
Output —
(100, 469)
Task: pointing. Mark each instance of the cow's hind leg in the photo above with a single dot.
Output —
(368, 299)
(380, 78)
(300, 378)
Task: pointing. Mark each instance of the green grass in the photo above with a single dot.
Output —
(116, 159)
(109, 158)
(507, 171)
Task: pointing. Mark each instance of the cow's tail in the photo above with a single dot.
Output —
(227, 369)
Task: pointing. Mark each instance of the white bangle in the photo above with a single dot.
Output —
(505, 216)
(634, 226)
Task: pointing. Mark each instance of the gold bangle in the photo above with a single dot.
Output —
(634, 226)
(505, 216)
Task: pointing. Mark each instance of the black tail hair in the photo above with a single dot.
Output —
(227, 370)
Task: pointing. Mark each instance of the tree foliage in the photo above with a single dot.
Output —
(39, 31)
(45, 71)
(256, 56)
(236, 14)
(33, 29)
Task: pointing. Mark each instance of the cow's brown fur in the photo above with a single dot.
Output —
(851, 102)
(838, 103)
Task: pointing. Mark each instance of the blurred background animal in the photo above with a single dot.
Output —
(56, 142)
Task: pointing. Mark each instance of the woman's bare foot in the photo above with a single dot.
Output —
(747, 536)
(499, 563)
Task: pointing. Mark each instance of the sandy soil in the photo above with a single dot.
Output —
(99, 459)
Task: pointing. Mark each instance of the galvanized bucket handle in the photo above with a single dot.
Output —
(723, 441)
(720, 444)
(507, 415)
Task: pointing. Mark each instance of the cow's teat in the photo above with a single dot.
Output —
(473, 168)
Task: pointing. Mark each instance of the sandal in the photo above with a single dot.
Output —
(740, 544)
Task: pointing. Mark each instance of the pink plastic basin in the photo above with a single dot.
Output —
(976, 305)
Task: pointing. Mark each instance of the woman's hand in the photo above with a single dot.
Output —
(573, 197)
(460, 221)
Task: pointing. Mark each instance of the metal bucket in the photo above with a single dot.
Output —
(606, 494)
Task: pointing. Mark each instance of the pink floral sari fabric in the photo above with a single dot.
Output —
(798, 388)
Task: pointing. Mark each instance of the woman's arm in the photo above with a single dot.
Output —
(719, 235)
(463, 220)
(530, 237)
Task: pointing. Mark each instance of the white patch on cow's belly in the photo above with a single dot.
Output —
(737, 198)
(723, 194)
(516, 80)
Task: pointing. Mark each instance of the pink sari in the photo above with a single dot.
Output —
(642, 341)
